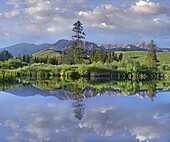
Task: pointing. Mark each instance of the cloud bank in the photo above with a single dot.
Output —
(110, 21)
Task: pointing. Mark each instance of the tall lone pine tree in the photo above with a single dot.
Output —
(78, 29)
(75, 53)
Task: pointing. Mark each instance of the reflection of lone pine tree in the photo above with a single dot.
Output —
(151, 89)
(79, 108)
(152, 57)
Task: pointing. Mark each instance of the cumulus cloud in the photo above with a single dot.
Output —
(147, 133)
(15, 3)
(35, 20)
(130, 22)
(77, 1)
(99, 11)
(102, 16)
(147, 7)
(44, 18)
(11, 14)
(110, 16)
(41, 8)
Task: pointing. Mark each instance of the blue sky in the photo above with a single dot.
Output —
(104, 21)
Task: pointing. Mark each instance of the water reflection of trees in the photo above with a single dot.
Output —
(7, 83)
(129, 87)
(151, 89)
(78, 87)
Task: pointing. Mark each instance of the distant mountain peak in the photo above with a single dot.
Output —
(25, 48)
(64, 44)
(125, 47)
(141, 45)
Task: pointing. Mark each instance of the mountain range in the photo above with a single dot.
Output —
(25, 48)
(61, 45)
(66, 44)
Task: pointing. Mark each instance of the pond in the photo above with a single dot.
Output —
(65, 113)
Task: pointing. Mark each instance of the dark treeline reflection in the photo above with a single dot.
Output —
(82, 88)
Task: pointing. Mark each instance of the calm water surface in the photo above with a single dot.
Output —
(29, 114)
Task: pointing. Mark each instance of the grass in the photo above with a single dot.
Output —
(164, 57)
(45, 53)
(140, 56)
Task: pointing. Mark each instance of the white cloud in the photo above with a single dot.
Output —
(104, 25)
(147, 7)
(101, 16)
(147, 133)
(77, 1)
(12, 124)
(15, 3)
(32, 2)
(157, 20)
(99, 10)
(40, 8)
(11, 14)
(51, 29)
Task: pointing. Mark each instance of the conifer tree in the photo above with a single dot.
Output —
(78, 29)
(120, 57)
(75, 53)
(152, 57)
(92, 55)
(5, 55)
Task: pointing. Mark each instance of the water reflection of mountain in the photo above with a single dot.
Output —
(64, 94)
(26, 91)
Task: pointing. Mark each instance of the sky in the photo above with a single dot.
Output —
(104, 21)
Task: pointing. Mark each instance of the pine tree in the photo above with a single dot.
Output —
(69, 57)
(78, 29)
(115, 57)
(79, 34)
(75, 53)
(5, 55)
(78, 56)
(92, 55)
(100, 55)
(120, 57)
(112, 56)
(152, 57)
(109, 57)
(19, 56)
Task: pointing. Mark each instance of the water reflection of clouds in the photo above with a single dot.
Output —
(40, 119)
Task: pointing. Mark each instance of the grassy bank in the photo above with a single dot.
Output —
(140, 56)
(112, 70)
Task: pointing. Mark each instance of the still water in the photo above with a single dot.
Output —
(32, 114)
